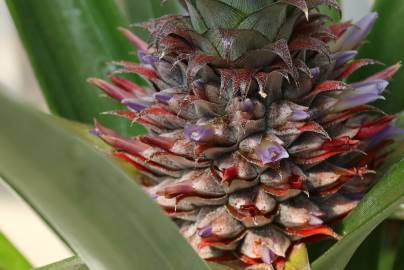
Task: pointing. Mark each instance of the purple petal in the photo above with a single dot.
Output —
(199, 83)
(364, 92)
(147, 58)
(199, 88)
(197, 133)
(388, 132)
(315, 221)
(134, 105)
(354, 36)
(299, 116)
(343, 57)
(315, 72)
(205, 232)
(269, 152)
(247, 105)
(375, 86)
(267, 255)
(162, 97)
(95, 132)
(351, 101)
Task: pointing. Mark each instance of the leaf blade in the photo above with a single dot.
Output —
(399, 261)
(138, 11)
(105, 217)
(377, 205)
(67, 42)
(10, 257)
(72, 263)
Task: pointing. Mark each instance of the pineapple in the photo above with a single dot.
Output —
(256, 142)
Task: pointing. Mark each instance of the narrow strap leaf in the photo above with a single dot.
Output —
(67, 42)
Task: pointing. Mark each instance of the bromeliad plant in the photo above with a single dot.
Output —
(257, 144)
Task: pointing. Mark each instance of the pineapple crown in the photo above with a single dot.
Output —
(256, 142)
(246, 33)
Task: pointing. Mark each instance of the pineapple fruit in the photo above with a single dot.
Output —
(256, 143)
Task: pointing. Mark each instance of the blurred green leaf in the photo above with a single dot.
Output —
(73, 263)
(390, 235)
(67, 42)
(368, 254)
(375, 207)
(334, 14)
(10, 257)
(386, 43)
(216, 266)
(140, 11)
(105, 217)
(399, 261)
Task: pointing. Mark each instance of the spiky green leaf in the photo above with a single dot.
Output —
(102, 213)
(266, 21)
(218, 15)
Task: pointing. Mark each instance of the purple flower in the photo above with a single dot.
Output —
(95, 132)
(388, 132)
(315, 72)
(364, 92)
(247, 105)
(269, 152)
(267, 255)
(165, 95)
(205, 231)
(354, 36)
(162, 97)
(343, 57)
(315, 221)
(299, 115)
(198, 133)
(147, 58)
(134, 105)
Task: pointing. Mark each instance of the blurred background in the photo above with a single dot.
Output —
(17, 220)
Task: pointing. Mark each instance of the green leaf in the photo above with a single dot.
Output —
(376, 206)
(216, 266)
(102, 213)
(10, 257)
(385, 44)
(67, 42)
(389, 244)
(73, 263)
(399, 262)
(197, 21)
(334, 14)
(218, 15)
(140, 11)
(298, 259)
(367, 256)
(268, 25)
